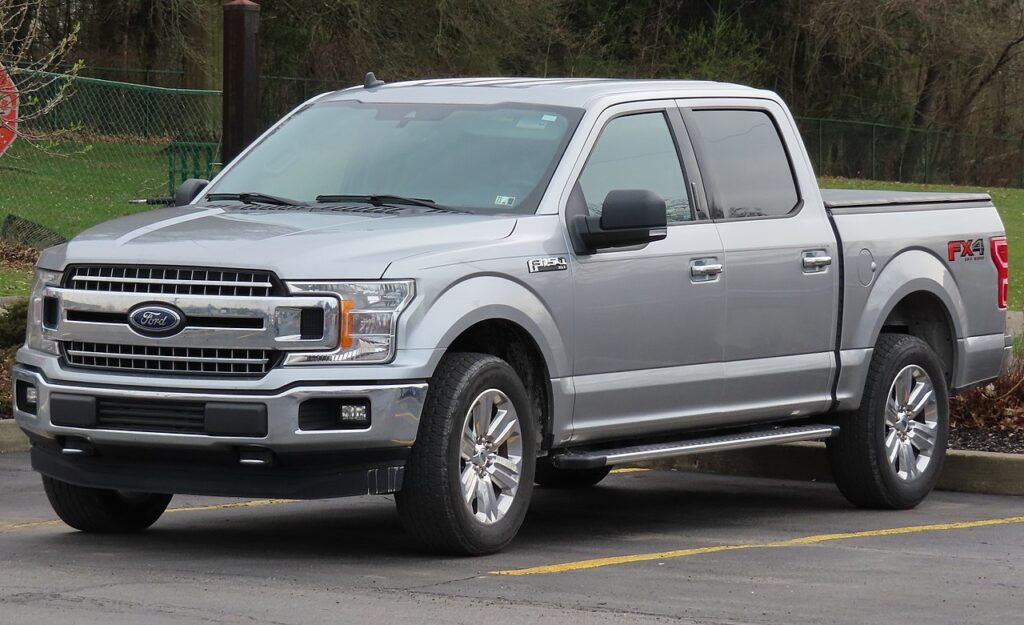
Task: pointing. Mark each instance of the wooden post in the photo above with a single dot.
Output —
(241, 77)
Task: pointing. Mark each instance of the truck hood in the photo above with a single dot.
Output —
(293, 243)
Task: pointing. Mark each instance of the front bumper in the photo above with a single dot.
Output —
(294, 462)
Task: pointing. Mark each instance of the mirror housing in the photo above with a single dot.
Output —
(189, 190)
(628, 217)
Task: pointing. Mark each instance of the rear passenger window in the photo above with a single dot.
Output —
(635, 152)
(743, 155)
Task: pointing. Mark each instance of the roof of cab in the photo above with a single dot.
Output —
(574, 92)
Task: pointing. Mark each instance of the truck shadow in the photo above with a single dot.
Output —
(367, 529)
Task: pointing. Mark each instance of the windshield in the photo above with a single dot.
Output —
(483, 159)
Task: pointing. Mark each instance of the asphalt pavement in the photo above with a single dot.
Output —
(644, 546)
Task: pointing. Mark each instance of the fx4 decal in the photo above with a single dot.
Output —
(969, 249)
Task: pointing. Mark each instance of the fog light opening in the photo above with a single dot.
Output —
(26, 397)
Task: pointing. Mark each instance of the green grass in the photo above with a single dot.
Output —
(85, 185)
(15, 281)
(1010, 203)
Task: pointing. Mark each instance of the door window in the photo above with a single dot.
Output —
(634, 152)
(742, 152)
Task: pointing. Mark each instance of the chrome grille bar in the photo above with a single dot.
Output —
(164, 359)
(170, 280)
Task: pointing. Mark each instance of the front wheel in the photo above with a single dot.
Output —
(469, 477)
(890, 451)
(104, 511)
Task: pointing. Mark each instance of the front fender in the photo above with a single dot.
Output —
(437, 323)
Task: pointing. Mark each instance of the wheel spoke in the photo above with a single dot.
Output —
(486, 502)
(891, 412)
(482, 411)
(468, 442)
(469, 480)
(505, 423)
(920, 396)
(505, 473)
(892, 447)
(923, 436)
(904, 379)
(908, 463)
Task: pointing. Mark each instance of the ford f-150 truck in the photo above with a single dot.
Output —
(453, 290)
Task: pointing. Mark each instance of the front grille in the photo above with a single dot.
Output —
(150, 416)
(171, 280)
(162, 359)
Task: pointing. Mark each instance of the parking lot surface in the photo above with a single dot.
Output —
(644, 546)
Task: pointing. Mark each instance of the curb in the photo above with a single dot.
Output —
(12, 439)
(7, 300)
(980, 472)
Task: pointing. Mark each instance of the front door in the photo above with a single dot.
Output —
(648, 321)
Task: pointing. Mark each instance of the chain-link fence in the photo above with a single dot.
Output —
(105, 143)
(109, 141)
(874, 151)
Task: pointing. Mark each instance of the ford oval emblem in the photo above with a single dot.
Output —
(153, 319)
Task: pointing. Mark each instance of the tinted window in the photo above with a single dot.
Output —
(744, 156)
(636, 152)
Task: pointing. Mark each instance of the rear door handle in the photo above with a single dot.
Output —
(705, 269)
(816, 260)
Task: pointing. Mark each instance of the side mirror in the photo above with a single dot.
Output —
(189, 190)
(628, 217)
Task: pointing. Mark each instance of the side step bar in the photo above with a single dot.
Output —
(622, 455)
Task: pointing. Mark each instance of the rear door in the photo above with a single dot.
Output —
(648, 321)
(781, 268)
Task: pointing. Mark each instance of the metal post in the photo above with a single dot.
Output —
(926, 164)
(241, 77)
(873, 174)
(821, 132)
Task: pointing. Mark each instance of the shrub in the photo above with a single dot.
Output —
(995, 406)
(12, 324)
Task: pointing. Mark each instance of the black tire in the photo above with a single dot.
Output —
(857, 455)
(102, 511)
(430, 503)
(550, 476)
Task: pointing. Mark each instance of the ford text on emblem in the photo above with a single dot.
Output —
(153, 319)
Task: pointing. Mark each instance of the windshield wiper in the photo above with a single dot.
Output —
(382, 198)
(255, 198)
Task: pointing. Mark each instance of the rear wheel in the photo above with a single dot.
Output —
(469, 477)
(104, 511)
(889, 452)
(549, 476)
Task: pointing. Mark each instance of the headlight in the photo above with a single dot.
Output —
(34, 333)
(368, 317)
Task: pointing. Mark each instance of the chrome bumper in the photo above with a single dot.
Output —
(395, 413)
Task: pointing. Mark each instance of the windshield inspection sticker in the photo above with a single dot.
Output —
(505, 200)
(548, 263)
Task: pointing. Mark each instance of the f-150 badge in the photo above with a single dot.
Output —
(548, 263)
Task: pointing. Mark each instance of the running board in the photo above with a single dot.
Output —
(622, 455)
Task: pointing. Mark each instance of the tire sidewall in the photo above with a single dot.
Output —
(500, 376)
(912, 352)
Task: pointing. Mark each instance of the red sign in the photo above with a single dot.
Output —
(8, 110)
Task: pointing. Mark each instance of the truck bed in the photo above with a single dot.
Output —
(850, 200)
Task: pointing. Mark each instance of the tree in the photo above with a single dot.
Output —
(31, 59)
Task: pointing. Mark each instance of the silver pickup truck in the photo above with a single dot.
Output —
(453, 290)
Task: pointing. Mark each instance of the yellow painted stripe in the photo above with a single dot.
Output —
(6, 527)
(793, 542)
(630, 470)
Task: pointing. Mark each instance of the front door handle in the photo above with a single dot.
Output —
(705, 269)
(816, 260)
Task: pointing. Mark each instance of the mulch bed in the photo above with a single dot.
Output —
(987, 440)
(17, 255)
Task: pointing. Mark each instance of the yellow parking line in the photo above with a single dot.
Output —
(630, 470)
(793, 542)
(6, 527)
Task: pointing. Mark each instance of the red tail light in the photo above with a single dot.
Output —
(1001, 257)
